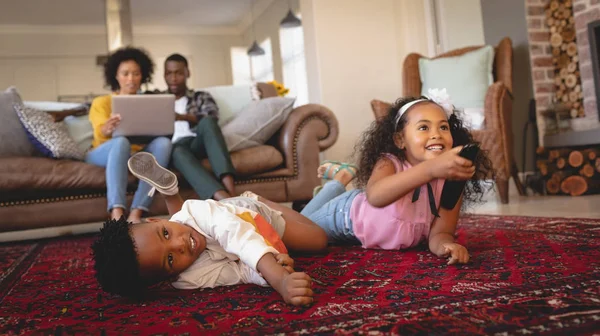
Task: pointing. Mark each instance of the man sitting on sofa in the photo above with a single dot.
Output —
(197, 135)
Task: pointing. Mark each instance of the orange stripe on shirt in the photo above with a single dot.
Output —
(266, 230)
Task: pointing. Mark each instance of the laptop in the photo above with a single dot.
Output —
(144, 117)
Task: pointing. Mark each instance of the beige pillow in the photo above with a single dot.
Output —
(257, 122)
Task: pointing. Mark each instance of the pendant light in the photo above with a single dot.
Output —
(255, 49)
(290, 20)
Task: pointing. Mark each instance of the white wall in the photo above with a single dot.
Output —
(460, 23)
(59, 61)
(354, 54)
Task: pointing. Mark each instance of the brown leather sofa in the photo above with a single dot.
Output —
(41, 197)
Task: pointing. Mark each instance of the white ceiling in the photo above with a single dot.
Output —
(208, 13)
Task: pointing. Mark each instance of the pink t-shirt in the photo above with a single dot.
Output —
(400, 225)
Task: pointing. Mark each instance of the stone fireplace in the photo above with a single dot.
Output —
(548, 56)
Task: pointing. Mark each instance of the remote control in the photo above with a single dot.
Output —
(453, 189)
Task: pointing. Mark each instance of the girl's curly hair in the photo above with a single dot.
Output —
(378, 139)
(127, 54)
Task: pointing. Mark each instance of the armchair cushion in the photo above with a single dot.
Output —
(466, 77)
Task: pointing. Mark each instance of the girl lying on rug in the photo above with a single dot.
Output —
(205, 243)
(404, 160)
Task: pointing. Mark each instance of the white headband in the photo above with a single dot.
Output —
(437, 96)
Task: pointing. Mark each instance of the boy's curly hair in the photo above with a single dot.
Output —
(378, 139)
(127, 54)
(115, 257)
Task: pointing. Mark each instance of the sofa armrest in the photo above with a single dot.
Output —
(312, 125)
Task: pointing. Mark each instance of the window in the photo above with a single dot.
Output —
(240, 66)
(262, 66)
(293, 62)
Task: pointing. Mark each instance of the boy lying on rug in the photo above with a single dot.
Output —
(205, 243)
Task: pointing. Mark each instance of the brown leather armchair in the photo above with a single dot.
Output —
(496, 137)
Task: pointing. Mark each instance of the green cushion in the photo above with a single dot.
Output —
(466, 77)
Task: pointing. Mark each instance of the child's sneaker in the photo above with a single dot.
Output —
(143, 165)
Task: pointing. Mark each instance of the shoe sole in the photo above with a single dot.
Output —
(144, 166)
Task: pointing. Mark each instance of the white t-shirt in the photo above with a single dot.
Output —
(233, 245)
(182, 127)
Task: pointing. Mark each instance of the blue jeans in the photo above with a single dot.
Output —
(330, 209)
(113, 154)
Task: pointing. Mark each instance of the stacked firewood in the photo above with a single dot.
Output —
(565, 58)
(570, 171)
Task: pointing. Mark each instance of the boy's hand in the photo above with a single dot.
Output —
(296, 289)
(451, 166)
(285, 261)
(457, 252)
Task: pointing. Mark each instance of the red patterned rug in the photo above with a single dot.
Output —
(527, 276)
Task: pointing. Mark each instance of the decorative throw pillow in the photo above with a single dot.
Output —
(81, 131)
(230, 99)
(257, 122)
(50, 138)
(466, 77)
(13, 139)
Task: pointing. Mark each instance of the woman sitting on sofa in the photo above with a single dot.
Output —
(125, 71)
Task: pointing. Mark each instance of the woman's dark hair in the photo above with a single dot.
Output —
(127, 54)
(379, 139)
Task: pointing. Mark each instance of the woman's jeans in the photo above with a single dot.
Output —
(113, 154)
(330, 209)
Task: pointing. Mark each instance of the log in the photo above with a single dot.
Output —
(552, 186)
(559, 176)
(557, 153)
(541, 152)
(587, 170)
(545, 167)
(591, 153)
(578, 185)
(561, 163)
(575, 158)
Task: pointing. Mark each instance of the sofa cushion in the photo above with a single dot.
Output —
(13, 138)
(44, 173)
(253, 160)
(257, 122)
(50, 138)
(27, 173)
